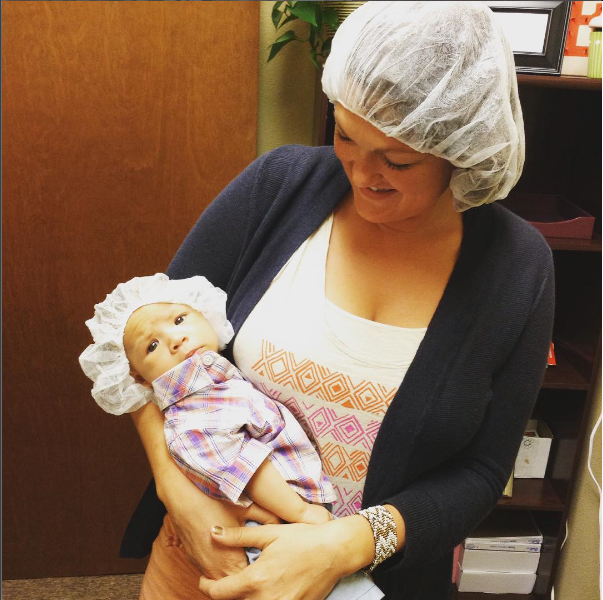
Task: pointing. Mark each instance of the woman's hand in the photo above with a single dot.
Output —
(192, 514)
(298, 561)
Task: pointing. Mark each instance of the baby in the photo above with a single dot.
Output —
(158, 340)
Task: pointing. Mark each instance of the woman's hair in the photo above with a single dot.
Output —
(439, 77)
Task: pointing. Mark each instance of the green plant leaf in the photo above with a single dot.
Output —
(276, 14)
(318, 13)
(326, 47)
(281, 43)
(306, 11)
(288, 36)
(287, 20)
(331, 18)
(313, 58)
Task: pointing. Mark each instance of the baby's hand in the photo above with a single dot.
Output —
(315, 514)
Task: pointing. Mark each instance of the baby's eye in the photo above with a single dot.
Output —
(152, 346)
(179, 319)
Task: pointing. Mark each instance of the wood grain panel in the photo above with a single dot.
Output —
(121, 121)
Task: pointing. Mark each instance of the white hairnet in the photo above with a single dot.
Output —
(105, 361)
(439, 77)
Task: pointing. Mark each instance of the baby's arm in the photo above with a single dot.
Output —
(269, 489)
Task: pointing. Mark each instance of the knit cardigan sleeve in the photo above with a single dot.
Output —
(443, 506)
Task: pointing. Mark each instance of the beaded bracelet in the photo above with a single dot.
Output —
(384, 531)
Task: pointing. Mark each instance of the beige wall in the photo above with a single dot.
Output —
(287, 87)
(578, 576)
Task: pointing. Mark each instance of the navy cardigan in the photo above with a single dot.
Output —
(448, 441)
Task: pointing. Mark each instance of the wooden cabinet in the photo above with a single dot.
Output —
(563, 156)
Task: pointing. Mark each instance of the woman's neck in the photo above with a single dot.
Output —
(441, 220)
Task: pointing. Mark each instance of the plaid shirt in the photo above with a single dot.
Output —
(219, 429)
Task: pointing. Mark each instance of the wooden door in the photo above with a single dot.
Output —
(121, 121)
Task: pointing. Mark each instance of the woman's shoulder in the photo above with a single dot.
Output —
(300, 160)
(290, 152)
(515, 239)
(295, 177)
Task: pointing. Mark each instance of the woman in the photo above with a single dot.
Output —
(366, 297)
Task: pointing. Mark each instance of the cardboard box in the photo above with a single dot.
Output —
(500, 561)
(552, 215)
(534, 451)
(495, 583)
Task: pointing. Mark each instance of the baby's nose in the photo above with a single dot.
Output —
(177, 340)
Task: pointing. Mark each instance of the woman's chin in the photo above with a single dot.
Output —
(378, 214)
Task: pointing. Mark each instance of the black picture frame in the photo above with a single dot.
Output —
(549, 61)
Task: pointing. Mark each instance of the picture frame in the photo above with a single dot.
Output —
(536, 32)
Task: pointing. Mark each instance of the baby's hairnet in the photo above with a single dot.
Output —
(439, 77)
(105, 361)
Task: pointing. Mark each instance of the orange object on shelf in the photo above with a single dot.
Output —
(552, 361)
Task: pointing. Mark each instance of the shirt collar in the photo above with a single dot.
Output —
(194, 375)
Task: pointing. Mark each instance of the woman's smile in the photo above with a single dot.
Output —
(377, 193)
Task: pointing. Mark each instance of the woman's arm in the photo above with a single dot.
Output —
(192, 512)
(443, 506)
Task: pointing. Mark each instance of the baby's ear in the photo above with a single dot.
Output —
(139, 379)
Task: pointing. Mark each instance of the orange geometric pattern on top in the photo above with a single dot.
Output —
(310, 378)
(577, 19)
(344, 440)
(337, 461)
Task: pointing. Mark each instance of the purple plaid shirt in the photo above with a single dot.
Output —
(219, 429)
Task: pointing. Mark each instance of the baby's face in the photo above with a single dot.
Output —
(157, 337)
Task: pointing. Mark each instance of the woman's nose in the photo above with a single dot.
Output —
(365, 171)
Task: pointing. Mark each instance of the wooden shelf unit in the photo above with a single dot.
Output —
(563, 156)
(532, 494)
(559, 81)
(592, 245)
(564, 376)
(562, 117)
(476, 596)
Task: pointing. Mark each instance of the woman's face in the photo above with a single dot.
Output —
(392, 183)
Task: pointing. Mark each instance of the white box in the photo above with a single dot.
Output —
(495, 583)
(507, 546)
(534, 451)
(508, 528)
(499, 561)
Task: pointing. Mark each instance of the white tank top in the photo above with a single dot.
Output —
(335, 371)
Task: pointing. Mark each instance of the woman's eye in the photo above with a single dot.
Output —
(179, 319)
(395, 166)
(342, 137)
(152, 346)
